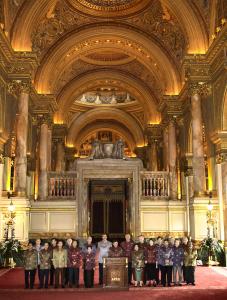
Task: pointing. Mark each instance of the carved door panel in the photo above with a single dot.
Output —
(108, 207)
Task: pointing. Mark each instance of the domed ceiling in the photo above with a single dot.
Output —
(134, 47)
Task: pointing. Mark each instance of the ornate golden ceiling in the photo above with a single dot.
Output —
(137, 46)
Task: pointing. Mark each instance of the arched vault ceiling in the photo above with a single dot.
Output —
(90, 80)
(107, 115)
(105, 125)
(146, 51)
(59, 17)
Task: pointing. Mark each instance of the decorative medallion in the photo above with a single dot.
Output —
(109, 8)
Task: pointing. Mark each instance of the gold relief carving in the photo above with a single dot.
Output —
(16, 87)
(158, 21)
(49, 235)
(107, 4)
(201, 88)
(115, 276)
(221, 158)
(155, 234)
(52, 27)
(109, 8)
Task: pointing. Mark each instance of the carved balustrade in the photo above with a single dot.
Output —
(155, 184)
(62, 185)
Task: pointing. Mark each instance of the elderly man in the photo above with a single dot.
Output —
(103, 249)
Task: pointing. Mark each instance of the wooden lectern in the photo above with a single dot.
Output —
(115, 272)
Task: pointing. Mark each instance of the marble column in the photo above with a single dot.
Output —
(20, 165)
(153, 156)
(197, 146)
(43, 162)
(49, 149)
(172, 160)
(60, 157)
(166, 149)
(1, 177)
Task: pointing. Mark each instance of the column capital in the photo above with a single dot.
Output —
(40, 119)
(153, 132)
(199, 88)
(16, 87)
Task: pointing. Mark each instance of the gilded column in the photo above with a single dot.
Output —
(197, 140)
(43, 161)
(172, 160)
(20, 165)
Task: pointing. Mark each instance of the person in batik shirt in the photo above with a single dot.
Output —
(74, 263)
(89, 267)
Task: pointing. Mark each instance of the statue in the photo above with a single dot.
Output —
(96, 151)
(107, 150)
(118, 150)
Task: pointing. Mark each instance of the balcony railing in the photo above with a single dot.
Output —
(62, 185)
(155, 184)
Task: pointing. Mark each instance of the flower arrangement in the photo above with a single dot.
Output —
(211, 250)
(10, 252)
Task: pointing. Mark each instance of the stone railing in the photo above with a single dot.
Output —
(155, 184)
(62, 185)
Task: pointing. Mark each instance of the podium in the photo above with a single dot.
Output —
(115, 272)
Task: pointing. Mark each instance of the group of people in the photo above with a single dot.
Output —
(160, 261)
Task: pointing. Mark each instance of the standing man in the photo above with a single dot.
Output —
(90, 244)
(38, 248)
(103, 248)
(68, 245)
(185, 247)
(45, 256)
(60, 264)
(166, 262)
(52, 247)
(30, 265)
(178, 258)
(143, 247)
(127, 247)
(74, 264)
(159, 244)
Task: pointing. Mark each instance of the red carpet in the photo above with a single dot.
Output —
(211, 283)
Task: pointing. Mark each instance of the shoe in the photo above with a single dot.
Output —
(154, 284)
(56, 287)
(169, 285)
(175, 284)
(62, 286)
(193, 284)
(164, 285)
(180, 284)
